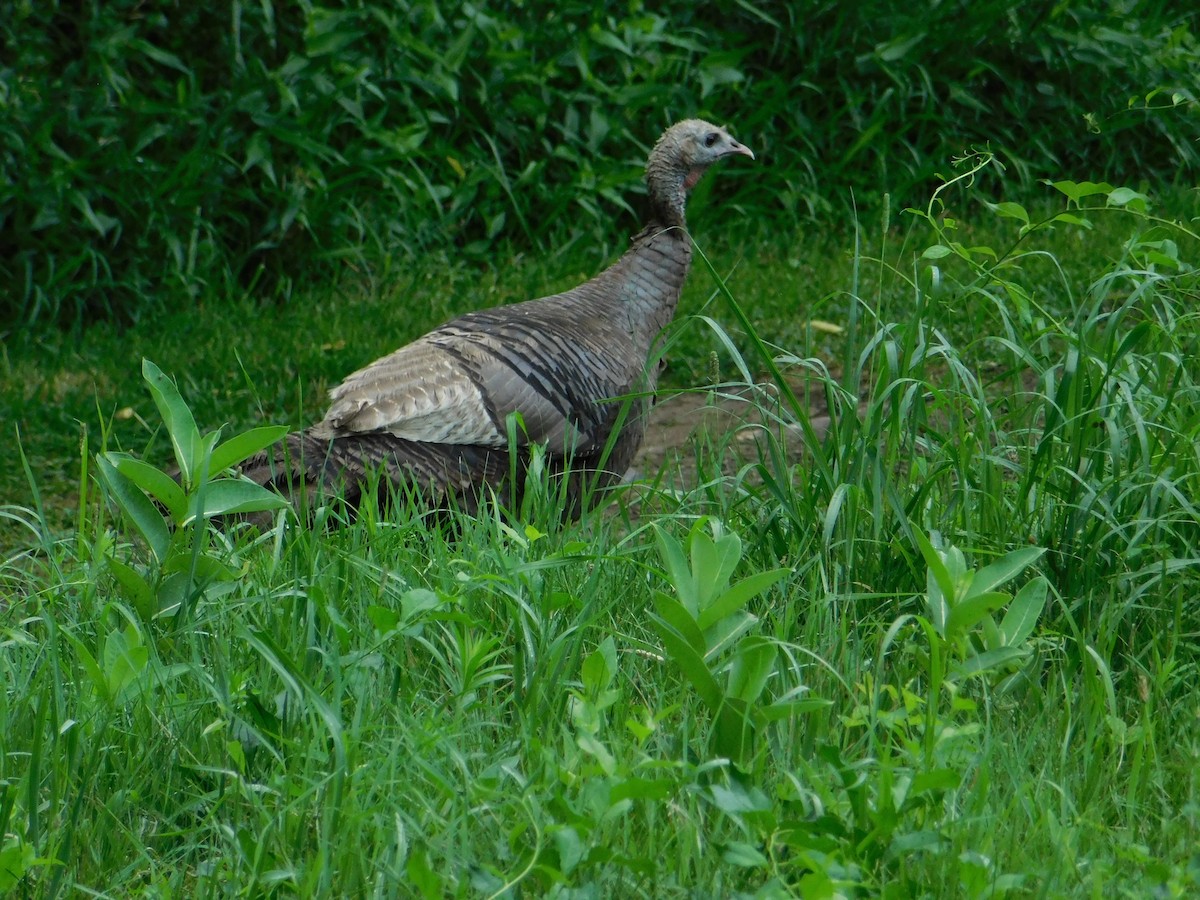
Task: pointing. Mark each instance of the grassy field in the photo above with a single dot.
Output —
(948, 650)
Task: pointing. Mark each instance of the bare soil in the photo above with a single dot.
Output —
(732, 422)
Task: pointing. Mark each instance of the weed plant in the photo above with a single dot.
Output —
(949, 649)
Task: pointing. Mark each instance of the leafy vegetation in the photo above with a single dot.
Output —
(937, 638)
(944, 646)
(183, 570)
(157, 155)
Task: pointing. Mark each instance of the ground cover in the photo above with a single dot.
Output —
(944, 645)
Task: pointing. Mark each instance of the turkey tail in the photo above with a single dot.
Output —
(311, 469)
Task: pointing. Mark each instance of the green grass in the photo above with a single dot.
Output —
(509, 708)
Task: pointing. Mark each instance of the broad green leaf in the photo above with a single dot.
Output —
(242, 446)
(956, 565)
(720, 637)
(734, 732)
(1071, 219)
(102, 224)
(383, 618)
(421, 874)
(1124, 196)
(125, 659)
(678, 572)
(230, 496)
(909, 842)
(966, 614)
(496, 225)
(16, 859)
(174, 590)
(1167, 260)
(181, 427)
(689, 663)
(89, 664)
(743, 855)
(989, 661)
(418, 600)
(258, 153)
(207, 443)
(1024, 611)
(600, 666)
(790, 709)
(898, 47)
(937, 608)
(939, 584)
(937, 251)
(570, 848)
(642, 789)
(1005, 568)
(137, 507)
(1078, 190)
(154, 481)
(135, 588)
(713, 563)
(178, 588)
(824, 834)
(739, 595)
(593, 747)
(735, 799)
(983, 250)
(992, 638)
(608, 39)
(1010, 210)
(753, 664)
(673, 613)
(934, 780)
(833, 512)
(207, 568)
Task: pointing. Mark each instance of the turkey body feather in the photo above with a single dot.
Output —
(433, 416)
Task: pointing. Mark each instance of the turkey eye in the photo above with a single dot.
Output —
(711, 139)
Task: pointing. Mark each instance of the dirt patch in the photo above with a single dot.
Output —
(733, 422)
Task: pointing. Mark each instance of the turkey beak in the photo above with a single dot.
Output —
(735, 147)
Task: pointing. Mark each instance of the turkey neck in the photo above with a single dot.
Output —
(655, 267)
(668, 181)
(647, 280)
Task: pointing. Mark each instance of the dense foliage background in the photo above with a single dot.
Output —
(902, 598)
(153, 151)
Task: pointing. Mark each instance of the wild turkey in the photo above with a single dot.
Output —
(432, 417)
